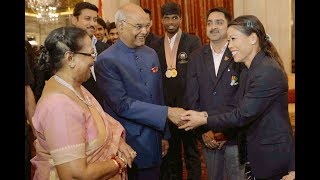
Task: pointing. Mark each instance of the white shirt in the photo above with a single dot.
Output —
(171, 41)
(217, 57)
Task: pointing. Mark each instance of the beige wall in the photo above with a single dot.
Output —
(276, 18)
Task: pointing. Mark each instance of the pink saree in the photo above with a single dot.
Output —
(66, 132)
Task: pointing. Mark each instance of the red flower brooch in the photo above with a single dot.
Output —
(154, 69)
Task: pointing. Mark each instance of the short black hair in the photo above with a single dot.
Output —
(83, 5)
(102, 23)
(112, 25)
(170, 8)
(223, 10)
(148, 12)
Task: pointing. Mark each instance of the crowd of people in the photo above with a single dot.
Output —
(112, 100)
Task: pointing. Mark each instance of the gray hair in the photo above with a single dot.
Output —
(119, 16)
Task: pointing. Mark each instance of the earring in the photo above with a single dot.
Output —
(72, 65)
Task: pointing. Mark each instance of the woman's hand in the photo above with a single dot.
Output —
(193, 119)
(290, 176)
(126, 153)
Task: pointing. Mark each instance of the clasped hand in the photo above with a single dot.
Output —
(187, 119)
(126, 153)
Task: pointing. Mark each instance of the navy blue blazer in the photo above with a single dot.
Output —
(205, 91)
(263, 109)
(130, 83)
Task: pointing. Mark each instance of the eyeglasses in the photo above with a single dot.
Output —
(138, 27)
(93, 55)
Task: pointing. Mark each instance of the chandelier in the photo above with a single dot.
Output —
(45, 10)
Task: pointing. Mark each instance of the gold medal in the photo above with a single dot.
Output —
(168, 73)
(174, 73)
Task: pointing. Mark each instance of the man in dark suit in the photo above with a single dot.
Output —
(129, 78)
(173, 51)
(85, 16)
(212, 84)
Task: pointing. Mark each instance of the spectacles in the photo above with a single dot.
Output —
(93, 55)
(138, 27)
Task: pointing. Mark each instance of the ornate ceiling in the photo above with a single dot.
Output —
(64, 5)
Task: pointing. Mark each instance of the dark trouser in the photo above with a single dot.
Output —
(27, 153)
(250, 175)
(144, 174)
(171, 167)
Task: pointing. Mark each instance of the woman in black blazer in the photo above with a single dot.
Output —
(263, 102)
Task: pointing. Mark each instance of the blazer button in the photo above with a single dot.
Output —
(140, 70)
(214, 93)
(146, 83)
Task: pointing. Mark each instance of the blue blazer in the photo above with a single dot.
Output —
(263, 110)
(130, 83)
(205, 91)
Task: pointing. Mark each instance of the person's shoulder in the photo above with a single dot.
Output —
(190, 36)
(102, 44)
(148, 50)
(199, 51)
(156, 43)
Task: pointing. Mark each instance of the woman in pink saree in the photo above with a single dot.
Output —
(76, 139)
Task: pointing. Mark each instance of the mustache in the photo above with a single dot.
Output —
(214, 31)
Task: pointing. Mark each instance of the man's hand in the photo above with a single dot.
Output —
(193, 119)
(174, 115)
(209, 141)
(165, 147)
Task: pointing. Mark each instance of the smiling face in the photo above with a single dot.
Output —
(242, 47)
(217, 26)
(171, 23)
(113, 35)
(134, 29)
(84, 61)
(87, 20)
(100, 32)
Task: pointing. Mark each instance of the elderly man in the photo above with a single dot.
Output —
(129, 78)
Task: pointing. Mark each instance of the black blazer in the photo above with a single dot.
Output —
(205, 91)
(151, 38)
(263, 109)
(91, 84)
(174, 88)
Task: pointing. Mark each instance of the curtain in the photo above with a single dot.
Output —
(193, 12)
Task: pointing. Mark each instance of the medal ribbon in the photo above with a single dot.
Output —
(171, 55)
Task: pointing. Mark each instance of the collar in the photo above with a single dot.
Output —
(124, 47)
(173, 38)
(222, 49)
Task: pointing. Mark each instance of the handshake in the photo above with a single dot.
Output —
(186, 119)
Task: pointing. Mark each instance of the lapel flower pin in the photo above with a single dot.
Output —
(154, 69)
(226, 58)
(234, 81)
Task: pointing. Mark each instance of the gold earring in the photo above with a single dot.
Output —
(72, 65)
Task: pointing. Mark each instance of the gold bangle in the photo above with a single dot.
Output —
(118, 164)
